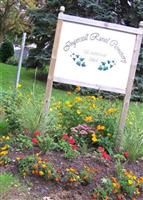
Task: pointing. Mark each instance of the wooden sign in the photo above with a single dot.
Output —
(94, 54)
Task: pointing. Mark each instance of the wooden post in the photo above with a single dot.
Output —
(52, 64)
(129, 89)
(20, 60)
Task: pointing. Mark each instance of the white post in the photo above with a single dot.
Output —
(127, 97)
(52, 64)
(20, 59)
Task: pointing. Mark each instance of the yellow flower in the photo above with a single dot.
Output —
(24, 173)
(77, 88)
(78, 112)
(7, 138)
(40, 161)
(100, 128)
(69, 93)
(137, 191)
(41, 173)
(111, 110)
(71, 169)
(19, 85)
(92, 97)
(18, 158)
(94, 105)
(68, 104)
(44, 166)
(5, 147)
(3, 153)
(78, 99)
(94, 138)
(109, 134)
(116, 185)
(134, 177)
(130, 182)
(49, 173)
(88, 118)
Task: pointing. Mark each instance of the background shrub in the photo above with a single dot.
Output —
(6, 51)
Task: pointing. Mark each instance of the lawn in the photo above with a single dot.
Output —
(8, 79)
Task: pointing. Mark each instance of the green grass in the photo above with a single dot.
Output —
(7, 180)
(8, 79)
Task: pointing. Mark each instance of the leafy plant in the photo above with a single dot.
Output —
(25, 165)
(46, 143)
(11, 104)
(68, 151)
(23, 142)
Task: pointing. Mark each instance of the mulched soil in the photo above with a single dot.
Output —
(41, 190)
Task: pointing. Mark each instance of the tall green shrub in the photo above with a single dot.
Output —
(6, 51)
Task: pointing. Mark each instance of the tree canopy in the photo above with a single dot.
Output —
(13, 16)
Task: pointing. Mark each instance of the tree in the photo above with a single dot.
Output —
(13, 16)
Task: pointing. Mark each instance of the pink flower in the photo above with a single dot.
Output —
(65, 136)
(126, 154)
(37, 133)
(34, 140)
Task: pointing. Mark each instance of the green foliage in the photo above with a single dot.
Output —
(31, 111)
(68, 151)
(133, 142)
(25, 165)
(6, 51)
(3, 126)
(10, 104)
(12, 61)
(23, 142)
(46, 143)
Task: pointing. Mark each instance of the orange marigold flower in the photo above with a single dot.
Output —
(100, 127)
(140, 180)
(88, 118)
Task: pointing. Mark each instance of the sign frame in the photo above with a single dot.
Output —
(138, 32)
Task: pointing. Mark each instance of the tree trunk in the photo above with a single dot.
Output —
(1, 37)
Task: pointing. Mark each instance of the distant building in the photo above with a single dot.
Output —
(17, 50)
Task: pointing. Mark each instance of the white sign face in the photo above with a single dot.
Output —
(94, 57)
